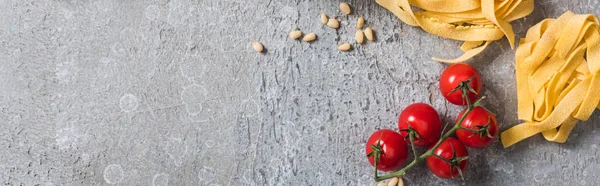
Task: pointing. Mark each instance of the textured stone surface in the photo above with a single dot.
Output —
(170, 92)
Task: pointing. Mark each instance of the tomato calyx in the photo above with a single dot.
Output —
(454, 161)
(412, 133)
(482, 131)
(464, 88)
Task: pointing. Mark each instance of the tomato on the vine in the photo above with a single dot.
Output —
(481, 120)
(392, 148)
(451, 79)
(448, 157)
(423, 120)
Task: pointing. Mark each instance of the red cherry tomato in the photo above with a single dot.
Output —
(477, 119)
(424, 120)
(452, 150)
(393, 150)
(453, 76)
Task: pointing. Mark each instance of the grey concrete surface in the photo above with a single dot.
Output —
(170, 92)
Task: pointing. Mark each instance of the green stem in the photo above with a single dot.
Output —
(411, 135)
(376, 164)
(465, 94)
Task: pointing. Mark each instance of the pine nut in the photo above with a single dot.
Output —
(382, 184)
(344, 7)
(400, 182)
(360, 22)
(369, 34)
(295, 34)
(257, 46)
(324, 18)
(344, 47)
(359, 36)
(309, 37)
(333, 23)
(393, 181)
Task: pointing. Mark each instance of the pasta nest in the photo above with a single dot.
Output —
(558, 83)
(476, 22)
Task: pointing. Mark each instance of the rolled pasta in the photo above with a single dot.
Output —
(476, 22)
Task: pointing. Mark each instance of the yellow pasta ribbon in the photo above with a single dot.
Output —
(476, 22)
(558, 82)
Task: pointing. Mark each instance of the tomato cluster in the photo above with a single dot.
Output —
(420, 125)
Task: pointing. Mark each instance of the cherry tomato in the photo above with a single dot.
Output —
(424, 120)
(453, 76)
(477, 119)
(393, 150)
(451, 150)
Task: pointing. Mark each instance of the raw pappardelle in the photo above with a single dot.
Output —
(558, 83)
(476, 22)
